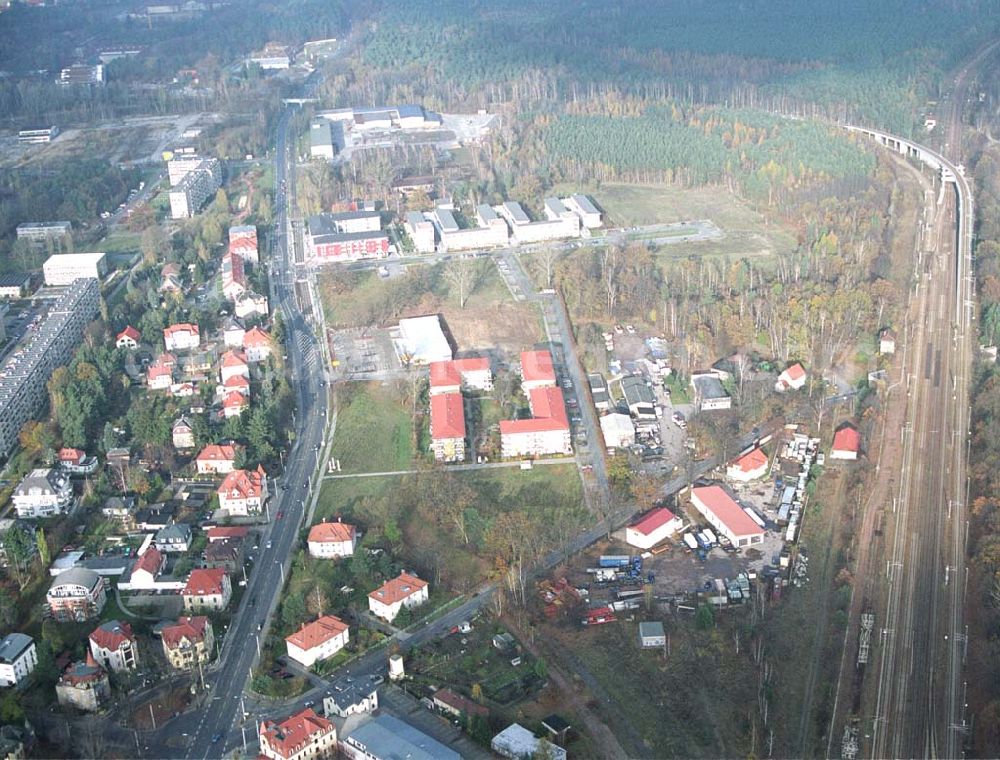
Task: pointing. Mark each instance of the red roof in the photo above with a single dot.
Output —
(236, 383)
(319, 631)
(191, 628)
(166, 359)
(215, 452)
(332, 533)
(129, 332)
(159, 370)
(459, 703)
(234, 359)
(536, 366)
(730, 513)
(243, 484)
(444, 375)
(398, 589)
(151, 561)
(548, 410)
(295, 732)
(235, 531)
(74, 456)
(256, 337)
(205, 582)
(182, 327)
(653, 520)
(847, 439)
(447, 416)
(112, 635)
(234, 400)
(752, 460)
(796, 371)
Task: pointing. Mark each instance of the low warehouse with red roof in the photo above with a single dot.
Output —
(725, 515)
(654, 526)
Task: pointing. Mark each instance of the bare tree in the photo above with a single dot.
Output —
(463, 276)
(545, 261)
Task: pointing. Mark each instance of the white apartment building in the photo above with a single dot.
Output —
(62, 268)
(18, 658)
(560, 222)
(404, 591)
(42, 493)
(25, 373)
(42, 231)
(114, 647)
(332, 540)
(583, 208)
(421, 232)
(318, 640)
(195, 188)
(491, 231)
(179, 168)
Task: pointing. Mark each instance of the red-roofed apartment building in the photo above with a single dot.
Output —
(243, 492)
(318, 640)
(188, 642)
(792, 378)
(218, 459)
(846, 443)
(545, 432)
(448, 427)
(460, 374)
(207, 589)
(725, 515)
(181, 336)
(329, 540)
(750, 466)
(405, 591)
(537, 370)
(298, 737)
(654, 526)
(233, 364)
(128, 338)
(114, 647)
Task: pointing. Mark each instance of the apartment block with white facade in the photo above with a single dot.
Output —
(318, 640)
(24, 375)
(18, 657)
(42, 493)
(195, 188)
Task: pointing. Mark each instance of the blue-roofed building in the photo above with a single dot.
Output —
(388, 738)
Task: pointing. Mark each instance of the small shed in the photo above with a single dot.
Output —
(651, 635)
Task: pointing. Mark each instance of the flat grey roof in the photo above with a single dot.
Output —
(413, 218)
(584, 203)
(516, 212)
(320, 134)
(636, 391)
(446, 220)
(654, 628)
(13, 646)
(709, 386)
(485, 213)
(389, 738)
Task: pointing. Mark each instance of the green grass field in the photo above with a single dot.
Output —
(374, 430)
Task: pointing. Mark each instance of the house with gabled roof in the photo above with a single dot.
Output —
(318, 640)
(406, 590)
(243, 492)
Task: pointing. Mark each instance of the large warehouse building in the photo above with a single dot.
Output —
(63, 268)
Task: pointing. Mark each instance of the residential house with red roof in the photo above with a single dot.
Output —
(181, 337)
(318, 640)
(243, 242)
(188, 642)
(84, 685)
(232, 364)
(456, 705)
(128, 338)
(159, 377)
(207, 589)
(302, 736)
(76, 461)
(183, 390)
(749, 466)
(405, 591)
(846, 443)
(234, 404)
(234, 280)
(725, 515)
(238, 384)
(448, 427)
(217, 458)
(792, 378)
(257, 345)
(331, 540)
(146, 569)
(652, 528)
(243, 492)
(113, 645)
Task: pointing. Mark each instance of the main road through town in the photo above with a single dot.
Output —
(216, 728)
